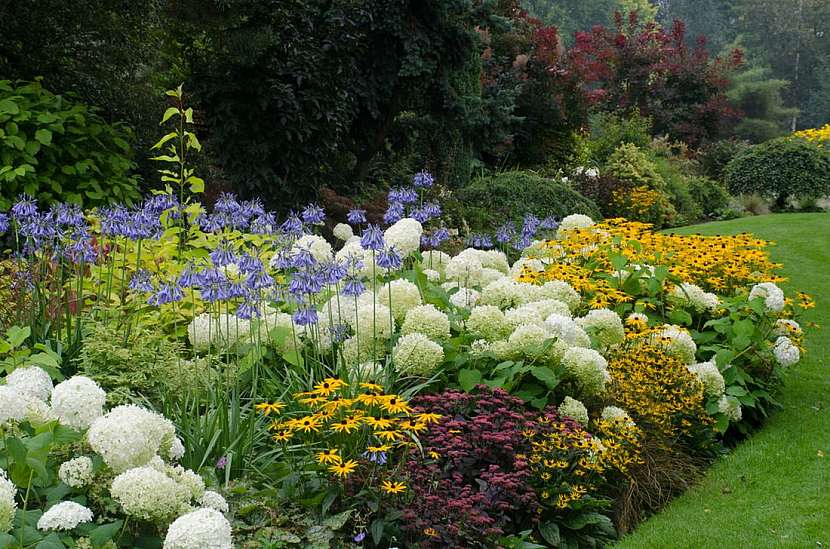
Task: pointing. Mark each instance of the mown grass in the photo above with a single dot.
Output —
(773, 490)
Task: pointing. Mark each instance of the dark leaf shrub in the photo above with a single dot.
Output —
(713, 157)
(601, 190)
(473, 483)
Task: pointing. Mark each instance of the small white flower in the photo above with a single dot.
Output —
(8, 505)
(32, 381)
(77, 472)
(65, 515)
(772, 295)
(214, 500)
(200, 529)
(574, 409)
(405, 236)
(786, 353)
(343, 232)
(78, 401)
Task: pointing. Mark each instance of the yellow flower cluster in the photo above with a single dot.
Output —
(355, 425)
(815, 134)
(657, 389)
(641, 203)
(568, 462)
(716, 263)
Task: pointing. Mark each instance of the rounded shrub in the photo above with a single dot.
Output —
(715, 156)
(629, 163)
(710, 195)
(780, 169)
(56, 149)
(489, 201)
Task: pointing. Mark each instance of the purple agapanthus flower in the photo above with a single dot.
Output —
(353, 287)
(372, 238)
(227, 204)
(24, 208)
(141, 281)
(549, 223)
(505, 233)
(389, 259)
(394, 213)
(356, 216)
(422, 180)
(305, 316)
(167, 293)
(313, 214)
(264, 224)
(404, 195)
(292, 226)
(4, 223)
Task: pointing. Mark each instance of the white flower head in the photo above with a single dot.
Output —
(149, 494)
(416, 354)
(32, 381)
(611, 413)
(571, 222)
(65, 515)
(772, 295)
(710, 376)
(488, 322)
(14, 405)
(8, 505)
(214, 500)
(677, 342)
(405, 295)
(566, 330)
(730, 407)
(78, 401)
(694, 296)
(465, 298)
(405, 235)
(588, 368)
(786, 353)
(200, 529)
(130, 436)
(428, 320)
(77, 472)
(574, 409)
(343, 232)
(318, 246)
(606, 326)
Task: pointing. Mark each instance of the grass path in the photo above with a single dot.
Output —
(774, 489)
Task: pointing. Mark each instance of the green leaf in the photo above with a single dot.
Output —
(7, 540)
(44, 136)
(17, 335)
(102, 534)
(52, 541)
(468, 379)
(164, 140)
(377, 531)
(550, 533)
(169, 113)
(293, 357)
(679, 316)
(197, 184)
(736, 390)
(546, 376)
(9, 106)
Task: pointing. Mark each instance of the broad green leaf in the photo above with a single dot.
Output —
(550, 533)
(468, 379)
(546, 376)
(102, 534)
(169, 113)
(44, 136)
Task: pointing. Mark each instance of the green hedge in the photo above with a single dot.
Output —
(489, 201)
(780, 169)
(58, 150)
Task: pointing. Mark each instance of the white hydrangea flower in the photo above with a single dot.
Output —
(427, 320)
(78, 401)
(695, 297)
(432, 275)
(370, 320)
(464, 269)
(149, 494)
(214, 500)
(772, 295)
(77, 472)
(566, 330)
(588, 367)
(523, 315)
(188, 479)
(8, 505)
(574, 409)
(560, 291)
(479, 347)
(32, 381)
(465, 298)
(786, 327)
(527, 338)
(405, 235)
(343, 232)
(416, 354)
(436, 259)
(200, 529)
(677, 342)
(318, 246)
(488, 321)
(405, 296)
(357, 350)
(14, 406)
(504, 293)
(730, 407)
(786, 353)
(489, 276)
(176, 450)
(130, 436)
(494, 259)
(610, 413)
(573, 221)
(38, 412)
(606, 326)
(207, 330)
(65, 515)
(501, 349)
(547, 307)
(710, 376)
(353, 251)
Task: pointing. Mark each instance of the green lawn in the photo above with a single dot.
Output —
(774, 489)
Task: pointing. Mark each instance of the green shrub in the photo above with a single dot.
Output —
(677, 189)
(629, 163)
(713, 157)
(491, 200)
(146, 364)
(609, 131)
(710, 195)
(780, 169)
(57, 150)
